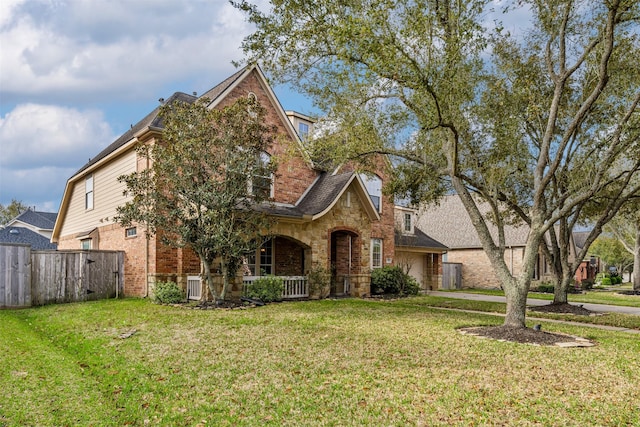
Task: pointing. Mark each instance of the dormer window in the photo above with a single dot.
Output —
(373, 184)
(303, 130)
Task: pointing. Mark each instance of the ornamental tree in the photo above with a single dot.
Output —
(206, 180)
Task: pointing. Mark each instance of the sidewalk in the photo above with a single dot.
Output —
(530, 301)
(605, 308)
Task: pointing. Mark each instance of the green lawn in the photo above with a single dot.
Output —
(346, 362)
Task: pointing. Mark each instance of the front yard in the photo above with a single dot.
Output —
(345, 362)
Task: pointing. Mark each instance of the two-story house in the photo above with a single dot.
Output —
(336, 220)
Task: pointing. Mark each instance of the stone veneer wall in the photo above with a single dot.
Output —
(317, 235)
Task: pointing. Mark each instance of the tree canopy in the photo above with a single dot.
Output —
(12, 210)
(529, 123)
(207, 177)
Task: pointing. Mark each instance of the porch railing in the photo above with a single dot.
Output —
(294, 286)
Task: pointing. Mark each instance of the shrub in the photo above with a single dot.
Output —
(616, 280)
(392, 280)
(266, 289)
(167, 293)
(319, 281)
(546, 288)
(606, 281)
(587, 284)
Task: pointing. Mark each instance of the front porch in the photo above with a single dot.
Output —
(294, 286)
(300, 265)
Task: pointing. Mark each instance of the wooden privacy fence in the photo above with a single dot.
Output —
(451, 275)
(29, 278)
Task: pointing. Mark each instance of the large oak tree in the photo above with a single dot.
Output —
(528, 125)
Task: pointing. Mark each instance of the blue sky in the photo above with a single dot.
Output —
(75, 74)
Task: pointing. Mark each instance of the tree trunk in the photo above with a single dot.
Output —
(516, 295)
(561, 288)
(225, 278)
(636, 261)
(208, 278)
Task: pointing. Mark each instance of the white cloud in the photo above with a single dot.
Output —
(34, 134)
(42, 146)
(63, 49)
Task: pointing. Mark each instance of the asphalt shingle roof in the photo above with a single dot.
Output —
(579, 239)
(450, 224)
(43, 220)
(417, 240)
(322, 193)
(25, 236)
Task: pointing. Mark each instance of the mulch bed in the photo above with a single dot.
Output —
(629, 293)
(526, 336)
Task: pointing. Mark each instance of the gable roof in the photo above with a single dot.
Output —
(449, 223)
(417, 240)
(25, 236)
(37, 219)
(579, 239)
(322, 196)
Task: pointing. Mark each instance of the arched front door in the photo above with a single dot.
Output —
(345, 260)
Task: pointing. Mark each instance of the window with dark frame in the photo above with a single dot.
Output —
(88, 192)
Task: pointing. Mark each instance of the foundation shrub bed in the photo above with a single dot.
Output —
(392, 280)
(167, 293)
(266, 289)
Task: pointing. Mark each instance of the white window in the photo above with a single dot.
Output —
(303, 130)
(408, 226)
(376, 253)
(131, 232)
(373, 183)
(264, 256)
(88, 192)
(262, 180)
(85, 244)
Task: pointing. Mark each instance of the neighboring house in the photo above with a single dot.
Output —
(334, 220)
(590, 267)
(416, 253)
(449, 223)
(32, 228)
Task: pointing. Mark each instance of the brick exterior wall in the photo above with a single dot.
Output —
(294, 174)
(476, 268)
(288, 258)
